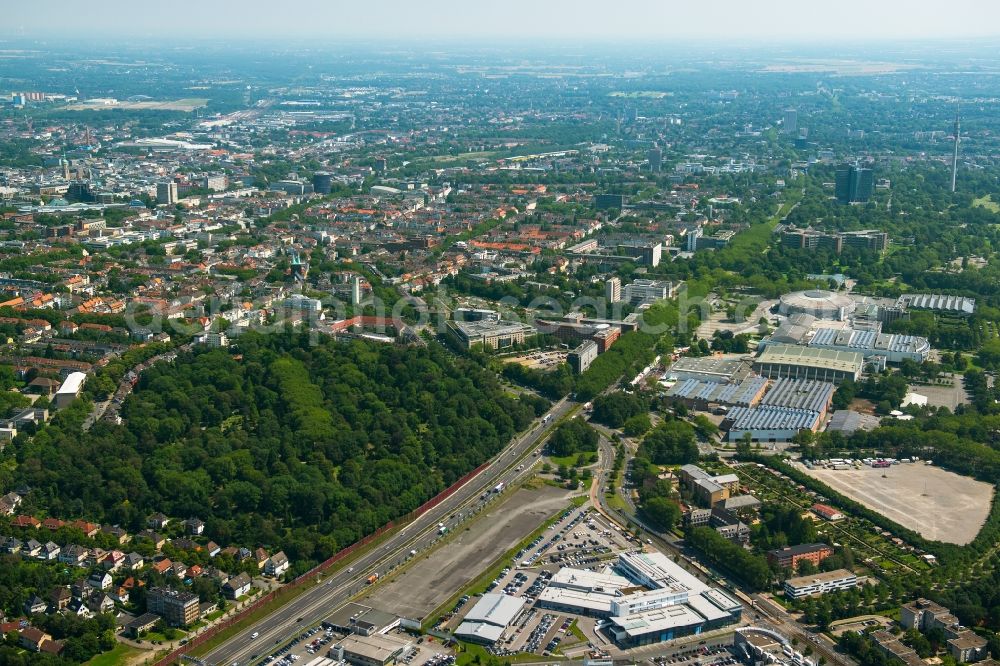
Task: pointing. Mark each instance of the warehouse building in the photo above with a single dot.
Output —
(797, 361)
(821, 583)
(769, 423)
(486, 622)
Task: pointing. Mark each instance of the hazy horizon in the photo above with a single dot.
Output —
(562, 21)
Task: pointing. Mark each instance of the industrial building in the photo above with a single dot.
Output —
(355, 618)
(820, 583)
(797, 361)
(709, 369)
(703, 394)
(490, 334)
(486, 621)
(769, 423)
(808, 394)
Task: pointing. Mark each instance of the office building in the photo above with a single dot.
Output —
(646, 291)
(655, 157)
(580, 358)
(166, 193)
(322, 182)
(177, 608)
(821, 583)
(791, 122)
(790, 556)
(810, 239)
(853, 184)
(215, 182)
(613, 290)
(606, 201)
(490, 334)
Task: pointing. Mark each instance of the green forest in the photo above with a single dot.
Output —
(281, 444)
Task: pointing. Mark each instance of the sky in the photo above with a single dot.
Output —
(501, 20)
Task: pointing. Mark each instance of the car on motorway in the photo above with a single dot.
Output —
(254, 635)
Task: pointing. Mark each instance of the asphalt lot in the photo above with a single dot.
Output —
(335, 589)
(433, 578)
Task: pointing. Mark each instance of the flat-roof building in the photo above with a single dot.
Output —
(374, 650)
(790, 556)
(820, 583)
(797, 361)
(769, 423)
(808, 394)
(709, 369)
(69, 390)
(490, 334)
(580, 358)
(487, 620)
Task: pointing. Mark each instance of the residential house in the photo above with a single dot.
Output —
(157, 521)
(237, 586)
(194, 571)
(113, 561)
(35, 605)
(134, 561)
(97, 556)
(179, 569)
(78, 607)
(26, 521)
(194, 526)
(163, 566)
(158, 540)
(212, 549)
(99, 602)
(50, 551)
(117, 533)
(277, 564)
(10, 544)
(32, 639)
(53, 524)
(142, 624)
(60, 597)
(75, 555)
(100, 580)
(89, 530)
(31, 548)
(260, 557)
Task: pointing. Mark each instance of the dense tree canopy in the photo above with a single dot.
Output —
(287, 445)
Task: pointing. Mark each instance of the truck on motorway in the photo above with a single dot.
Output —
(372, 578)
(499, 488)
(546, 418)
(442, 529)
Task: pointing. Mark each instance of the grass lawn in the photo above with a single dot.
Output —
(570, 461)
(472, 654)
(987, 203)
(120, 655)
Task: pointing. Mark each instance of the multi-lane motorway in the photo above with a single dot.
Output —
(330, 593)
